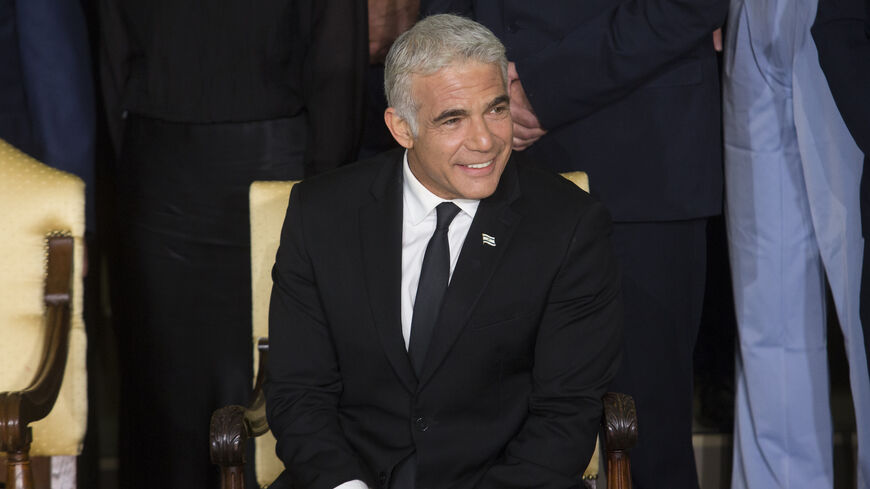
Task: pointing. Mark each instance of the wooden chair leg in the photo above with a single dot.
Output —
(228, 437)
(233, 477)
(19, 473)
(618, 463)
(620, 436)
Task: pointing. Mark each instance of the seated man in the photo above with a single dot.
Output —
(443, 316)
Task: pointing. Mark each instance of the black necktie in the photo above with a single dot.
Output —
(434, 276)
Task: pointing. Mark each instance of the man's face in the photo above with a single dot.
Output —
(465, 130)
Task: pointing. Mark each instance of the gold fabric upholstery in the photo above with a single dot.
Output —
(268, 202)
(36, 201)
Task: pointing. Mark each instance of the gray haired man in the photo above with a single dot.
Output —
(443, 315)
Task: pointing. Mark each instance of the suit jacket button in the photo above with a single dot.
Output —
(422, 424)
(382, 477)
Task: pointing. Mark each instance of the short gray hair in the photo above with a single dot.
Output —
(432, 44)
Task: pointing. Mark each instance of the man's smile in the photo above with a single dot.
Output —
(479, 165)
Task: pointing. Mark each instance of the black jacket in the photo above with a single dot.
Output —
(528, 338)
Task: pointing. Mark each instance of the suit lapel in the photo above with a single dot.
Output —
(381, 235)
(475, 267)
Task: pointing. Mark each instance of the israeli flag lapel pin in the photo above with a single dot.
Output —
(488, 240)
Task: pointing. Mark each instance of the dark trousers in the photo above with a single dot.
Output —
(663, 273)
(183, 285)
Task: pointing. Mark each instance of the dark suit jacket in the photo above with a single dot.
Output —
(629, 91)
(527, 341)
(240, 61)
(46, 87)
(842, 34)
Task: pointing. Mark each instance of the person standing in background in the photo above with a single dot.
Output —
(203, 99)
(46, 86)
(842, 34)
(387, 19)
(792, 213)
(629, 93)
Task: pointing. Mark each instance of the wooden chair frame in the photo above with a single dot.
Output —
(19, 409)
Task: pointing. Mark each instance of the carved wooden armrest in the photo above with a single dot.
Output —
(19, 409)
(620, 436)
(232, 426)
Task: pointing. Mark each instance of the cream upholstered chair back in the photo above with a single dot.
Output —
(36, 202)
(268, 202)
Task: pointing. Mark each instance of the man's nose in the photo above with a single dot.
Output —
(479, 136)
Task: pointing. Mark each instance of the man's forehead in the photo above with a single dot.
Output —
(455, 84)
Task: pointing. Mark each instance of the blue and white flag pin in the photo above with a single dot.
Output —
(488, 240)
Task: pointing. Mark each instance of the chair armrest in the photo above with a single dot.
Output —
(620, 436)
(19, 409)
(232, 426)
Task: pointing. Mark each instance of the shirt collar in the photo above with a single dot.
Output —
(420, 202)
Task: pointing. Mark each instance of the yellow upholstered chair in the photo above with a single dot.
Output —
(233, 425)
(43, 400)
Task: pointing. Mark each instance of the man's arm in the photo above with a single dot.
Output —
(842, 35)
(606, 57)
(56, 66)
(387, 20)
(334, 81)
(577, 353)
(304, 383)
(464, 8)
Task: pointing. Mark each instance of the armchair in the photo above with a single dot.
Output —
(233, 426)
(43, 400)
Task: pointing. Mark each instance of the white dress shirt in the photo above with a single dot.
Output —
(418, 225)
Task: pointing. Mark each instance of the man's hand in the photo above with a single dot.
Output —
(388, 19)
(717, 40)
(527, 128)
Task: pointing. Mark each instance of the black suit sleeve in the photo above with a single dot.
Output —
(577, 353)
(304, 382)
(609, 56)
(842, 35)
(334, 81)
(458, 7)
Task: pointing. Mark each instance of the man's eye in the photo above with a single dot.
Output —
(499, 109)
(452, 121)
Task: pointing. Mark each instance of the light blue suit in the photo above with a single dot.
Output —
(792, 173)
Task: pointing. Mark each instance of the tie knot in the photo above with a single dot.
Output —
(446, 212)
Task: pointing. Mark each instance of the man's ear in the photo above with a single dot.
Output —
(399, 128)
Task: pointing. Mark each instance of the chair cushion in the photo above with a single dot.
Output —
(35, 201)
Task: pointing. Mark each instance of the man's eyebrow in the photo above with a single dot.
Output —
(449, 114)
(502, 99)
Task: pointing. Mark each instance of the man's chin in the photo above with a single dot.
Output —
(479, 190)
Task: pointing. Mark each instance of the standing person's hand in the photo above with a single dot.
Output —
(387, 20)
(527, 127)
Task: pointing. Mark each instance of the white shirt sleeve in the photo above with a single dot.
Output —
(354, 484)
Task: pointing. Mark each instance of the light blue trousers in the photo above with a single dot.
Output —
(792, 176)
